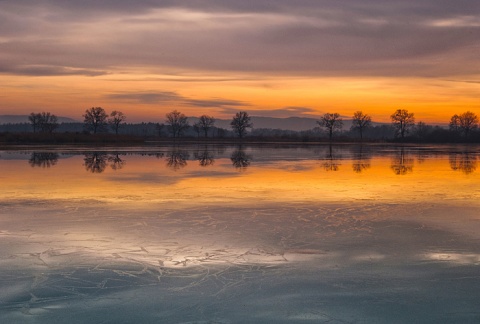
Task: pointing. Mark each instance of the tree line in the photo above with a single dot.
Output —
(402, 121)
(97, 120)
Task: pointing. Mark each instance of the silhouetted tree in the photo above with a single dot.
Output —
(221, 132)
(95, 119)
(402, 163)
(43, 159)
(117, 118)
(422, 130)
(240, 122)
(44, 121)
(331, 122)
(468, 121)
(177, 123)
(34, 119)
(160, 128)
(402, 120)
(205, 123)
(360, 122)
(240, 159)
(48, 122)
(454, 124)
(197, 128)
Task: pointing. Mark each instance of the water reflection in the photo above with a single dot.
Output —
(240, 159)
(177, 158)
(43, 159)
(331, 161)
(95, 162)
(361, 159)
(402, 162)
(205, 157)
(116, 162)
(465, 162)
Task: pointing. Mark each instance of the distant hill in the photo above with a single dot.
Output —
(290, 123)
(17, 119)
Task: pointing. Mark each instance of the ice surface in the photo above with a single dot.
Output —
(282, 238)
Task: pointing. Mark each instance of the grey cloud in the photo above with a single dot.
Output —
(464, 81)
(146, 97)
(305, 37)
(152, 97)
(278, 113)
(215, 103)
(45, 70)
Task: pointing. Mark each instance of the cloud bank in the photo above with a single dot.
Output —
(429, 38)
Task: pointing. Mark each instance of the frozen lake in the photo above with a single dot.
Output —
(252, 234)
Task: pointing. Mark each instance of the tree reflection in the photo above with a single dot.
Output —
(95, 162)
(205, 157)
(240, 159)
(43, 159)
(116, 162)
(331, 162)
(177, 159)
(361, 159)
(402, 163)
(465, 162)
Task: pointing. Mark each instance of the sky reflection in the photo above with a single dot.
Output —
(321, 229)
(316, 173)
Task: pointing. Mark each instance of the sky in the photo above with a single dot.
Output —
(277, 58)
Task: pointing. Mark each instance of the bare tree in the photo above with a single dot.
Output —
(160, 127)
(48, 122)
(454, 124)
(331, 122)
(197, 128)
(44, 121)
(402, 120)
(240, 122)
(360, 122)
(422, 130)
(95, 119)
(177, 123)
(34, 119)
(205, 123)
(468, 121)
(117, 118)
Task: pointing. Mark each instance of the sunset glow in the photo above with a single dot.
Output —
(276, 59)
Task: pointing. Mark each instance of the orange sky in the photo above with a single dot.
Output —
(432, 101)
(270, 59)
